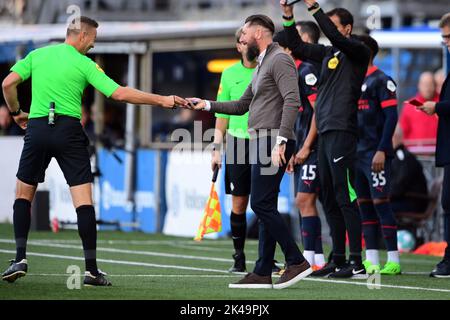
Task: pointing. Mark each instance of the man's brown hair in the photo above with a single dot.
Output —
(445, 21)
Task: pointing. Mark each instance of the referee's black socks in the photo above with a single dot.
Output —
(22, 221)
(87, 229)
(238, 224)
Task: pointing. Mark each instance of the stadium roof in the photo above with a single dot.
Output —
(423, 38)
(133, 37)
(122, 31)
(144, 31)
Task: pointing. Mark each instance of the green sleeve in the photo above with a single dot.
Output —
(23, 67)
(99, 80)
(223, 95)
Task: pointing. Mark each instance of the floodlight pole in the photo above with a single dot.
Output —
(130, 141)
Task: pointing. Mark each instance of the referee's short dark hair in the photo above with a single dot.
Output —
(72, 28)
(261, 20)
(371, 43)
(345, 17)
(311, 29)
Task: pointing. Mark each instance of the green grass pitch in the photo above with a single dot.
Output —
(143, 266)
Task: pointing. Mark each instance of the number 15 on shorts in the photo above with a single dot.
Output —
(309, 172)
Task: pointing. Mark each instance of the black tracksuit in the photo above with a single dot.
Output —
(344, 66)
(443, 154)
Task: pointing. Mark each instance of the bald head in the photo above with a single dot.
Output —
(82, 33)
(81, 24)
(426, 86)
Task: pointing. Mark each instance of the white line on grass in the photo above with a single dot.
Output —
(142, 264)
(171, 255)
(381, 285)
(131, 263)
(144, 275)
(144, 253)
(187, 244)
(150, 242)
(206, 248)
(193, 245)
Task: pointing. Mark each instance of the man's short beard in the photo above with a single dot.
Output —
(252, 51)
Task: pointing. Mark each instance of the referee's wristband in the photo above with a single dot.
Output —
(288, 23)
(15, 113)
(207, 105)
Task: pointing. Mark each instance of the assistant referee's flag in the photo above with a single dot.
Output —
(212, 218)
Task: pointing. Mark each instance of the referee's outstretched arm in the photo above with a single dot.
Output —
(134, 96)
(75, 72)
(60, 74)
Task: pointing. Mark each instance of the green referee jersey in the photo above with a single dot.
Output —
(59, 73)
(233, 83)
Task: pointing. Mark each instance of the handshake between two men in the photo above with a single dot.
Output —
(186, 103)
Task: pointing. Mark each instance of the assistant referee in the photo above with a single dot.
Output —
(60, 73)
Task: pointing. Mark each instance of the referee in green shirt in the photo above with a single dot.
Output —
(234, 81)
(60, 74)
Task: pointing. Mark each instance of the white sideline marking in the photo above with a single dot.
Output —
(131, 263)
(143, 264)
(150, 242)
(364, 283)
(145, 253)
(144, 275)
(178, 244)
(416, 272)
(169, 255)
(206, 248)
(194, 245)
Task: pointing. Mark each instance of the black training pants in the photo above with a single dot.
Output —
(337, 155)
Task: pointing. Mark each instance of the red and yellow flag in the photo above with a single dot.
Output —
(212, 218)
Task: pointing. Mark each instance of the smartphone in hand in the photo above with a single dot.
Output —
(415, 102)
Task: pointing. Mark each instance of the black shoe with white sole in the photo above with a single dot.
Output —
(352, 270)
(239, 263)
(98, 281)
(328, 269)
(15, 270)
(442, 269)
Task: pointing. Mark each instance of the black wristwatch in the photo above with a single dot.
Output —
(288, 18)
(15, 113)
(314, 7)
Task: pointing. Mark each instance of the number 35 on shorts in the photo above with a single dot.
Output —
(378, 179)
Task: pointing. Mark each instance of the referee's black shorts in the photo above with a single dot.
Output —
(66, 142)
(237, 166)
